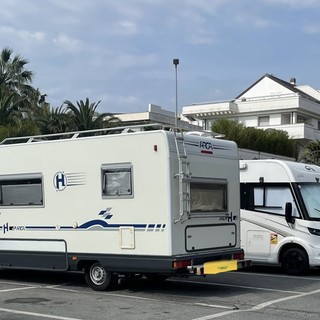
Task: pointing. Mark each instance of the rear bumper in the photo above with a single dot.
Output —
(186, 264)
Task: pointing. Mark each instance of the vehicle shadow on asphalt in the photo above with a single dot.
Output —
(174, 286)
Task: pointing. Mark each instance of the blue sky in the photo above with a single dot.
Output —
(121, 52)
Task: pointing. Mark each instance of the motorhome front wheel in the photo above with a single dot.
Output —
(294, 261)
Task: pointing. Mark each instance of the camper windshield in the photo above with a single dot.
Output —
(311, 197)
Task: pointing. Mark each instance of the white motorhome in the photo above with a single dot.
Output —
(280, 213)
(120, 201)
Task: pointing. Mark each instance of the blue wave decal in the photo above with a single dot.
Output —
(92, 223)
(104, 224)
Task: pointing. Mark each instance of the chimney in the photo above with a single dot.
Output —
(293, 81)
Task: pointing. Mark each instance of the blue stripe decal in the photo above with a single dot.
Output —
(94, 224)
(41, 227)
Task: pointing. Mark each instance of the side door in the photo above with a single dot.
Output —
(263, 222)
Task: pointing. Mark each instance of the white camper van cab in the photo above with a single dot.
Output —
(120, 201)
(280, 213)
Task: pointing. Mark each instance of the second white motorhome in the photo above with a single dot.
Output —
(120, 201)
(280, 213)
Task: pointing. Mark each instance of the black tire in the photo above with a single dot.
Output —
(98, 278)
(294, 261)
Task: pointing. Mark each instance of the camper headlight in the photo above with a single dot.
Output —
(315, 232)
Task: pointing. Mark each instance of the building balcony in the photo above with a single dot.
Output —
(297, 131)
(209, 110)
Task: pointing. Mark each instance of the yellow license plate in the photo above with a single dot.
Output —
(215, 267)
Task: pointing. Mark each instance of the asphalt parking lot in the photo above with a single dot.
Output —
(264, 293)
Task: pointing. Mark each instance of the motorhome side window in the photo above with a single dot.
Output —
(272, 199)
(117, 181)
(20, 191)
(208, 196)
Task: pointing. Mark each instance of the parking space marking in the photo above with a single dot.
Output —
(268, 303)
(16, 289)
(40, 315)
(276, 275)
(238, 286)
(214, 306)
(259, 306)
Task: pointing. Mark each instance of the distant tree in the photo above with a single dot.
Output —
(312, 153)
(85, 116)
(270, 141)
(20, 129)
(13, 74)
(9, 108)
(18, 99)
(231, 129)
(53, 120)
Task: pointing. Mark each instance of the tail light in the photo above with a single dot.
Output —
(238, 256)
(181, 264)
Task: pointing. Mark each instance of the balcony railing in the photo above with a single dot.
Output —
(297, 130)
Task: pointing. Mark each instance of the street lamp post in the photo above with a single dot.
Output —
(176, 62)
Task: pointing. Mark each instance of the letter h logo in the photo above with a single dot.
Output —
(5, 227)
(60, 181)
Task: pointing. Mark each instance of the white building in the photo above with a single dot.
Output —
(155, 114)
(269, 103)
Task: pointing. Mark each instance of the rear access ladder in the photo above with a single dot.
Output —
(184, 177)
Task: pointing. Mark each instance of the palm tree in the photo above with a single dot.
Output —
(9, 106)
(13, 74)
(53, 120)
(21, 129)
(86, 118)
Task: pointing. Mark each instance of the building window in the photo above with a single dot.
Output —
(117, 181)
(303, 119)
(208, 196)
(286, 118)
(263, 121)
(21, 190)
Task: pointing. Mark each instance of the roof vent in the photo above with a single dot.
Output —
(293, 81)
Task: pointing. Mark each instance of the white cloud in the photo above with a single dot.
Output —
(312, 29)
(126, 28)
(296, 3)
(66, 42)
(126, 60)
(25, 35)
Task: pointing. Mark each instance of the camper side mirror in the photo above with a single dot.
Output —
(288, 212)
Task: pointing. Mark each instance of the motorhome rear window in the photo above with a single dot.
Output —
(21, 191)
(117, 181)
(208, 196)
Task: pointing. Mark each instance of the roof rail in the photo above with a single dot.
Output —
(87, 133)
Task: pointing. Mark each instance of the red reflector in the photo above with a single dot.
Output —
(181, 264)
(238, 256)
(155, 148)
(206, 152)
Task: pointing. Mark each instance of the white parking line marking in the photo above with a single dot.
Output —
(276, 276)
(259, 306)
(238, 286)
(268, 303)
(49, 316)
(214, 306)
(16, 289)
